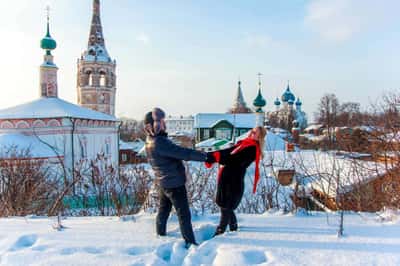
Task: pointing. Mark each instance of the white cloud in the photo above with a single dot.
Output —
(340, 20)
(143, 38)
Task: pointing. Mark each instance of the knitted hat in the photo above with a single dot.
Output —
(148, 118)
(158, 114)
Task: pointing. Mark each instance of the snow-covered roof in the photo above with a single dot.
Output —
(125, 145)
(173, 118)
(52, 107)
(96, 53)
(135, 145)
(392, 137)
(367, 128)
(207, 120)
(315, 138)
(313, 127)
(183, 133)
(321, 170)
(12, 145)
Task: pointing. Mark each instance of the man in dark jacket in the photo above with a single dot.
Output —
(166, 158)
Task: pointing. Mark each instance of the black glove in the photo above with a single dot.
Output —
(210, 158)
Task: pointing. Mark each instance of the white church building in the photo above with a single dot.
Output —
(54, 129)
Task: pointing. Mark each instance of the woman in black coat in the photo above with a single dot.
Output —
(233, 165)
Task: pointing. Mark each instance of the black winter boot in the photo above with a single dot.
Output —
(188, 244)
(233, 227)
(219, 231)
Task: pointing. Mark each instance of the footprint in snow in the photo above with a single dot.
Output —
(164, 252)
(40, 248)
(134, 251)
(23, 242)
(254, 257)
(93, 250)
(204, 233)
(90, 250)
(233, 257)
(203, 255)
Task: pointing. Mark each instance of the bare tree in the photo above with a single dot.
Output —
(349, 114)
(328, 110)
(26, 184)
(131, 129)
(201, 186)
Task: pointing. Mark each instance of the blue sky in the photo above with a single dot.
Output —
(186, 56)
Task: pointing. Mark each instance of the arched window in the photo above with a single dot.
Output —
(90, 79)
(108, 148)
(83, 147)
(102, 79)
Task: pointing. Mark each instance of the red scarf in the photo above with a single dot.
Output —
(247, 142)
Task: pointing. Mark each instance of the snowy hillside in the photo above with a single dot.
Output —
(268, 239)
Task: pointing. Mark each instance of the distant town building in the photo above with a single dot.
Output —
(178, 125)
(130, 152)
(287, 110)
(222, 126)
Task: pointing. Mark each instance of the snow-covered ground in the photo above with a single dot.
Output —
(267, 239)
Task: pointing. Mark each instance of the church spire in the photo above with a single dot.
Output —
(96, 50)
(48, 70)
(96, 30)
(239, 96)
(239, 106)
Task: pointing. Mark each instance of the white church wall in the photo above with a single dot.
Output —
(88, 142)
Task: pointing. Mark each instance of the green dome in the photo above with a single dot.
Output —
(48, 43)
(259, 100)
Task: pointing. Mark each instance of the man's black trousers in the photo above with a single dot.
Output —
(176, 197)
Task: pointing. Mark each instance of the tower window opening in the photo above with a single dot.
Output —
(90, 79)
(102, 79)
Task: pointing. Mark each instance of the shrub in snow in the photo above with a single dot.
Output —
(388, 215)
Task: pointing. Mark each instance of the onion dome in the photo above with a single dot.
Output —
(259, 101)
(48, 43)
(277, 102)
(288, 95)
(298, 102)
(290, 102)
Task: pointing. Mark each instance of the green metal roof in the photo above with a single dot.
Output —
(48, 43)
(259, 100)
